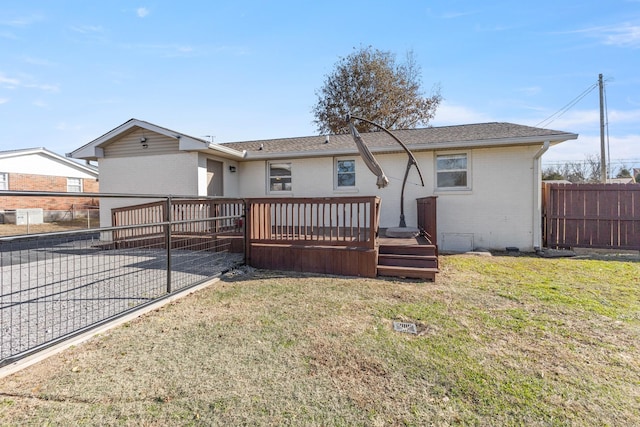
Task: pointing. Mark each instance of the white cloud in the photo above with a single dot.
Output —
(39, 103)
(451, 114)
(4, 100)
(591, 118)
(44, 87)
(22, 22)
(9, 83)
(38, 61)
(622, 35)
(8, 35)
(622, 149)
(87, 29)
(14, 83)
(142, 12)
(170, 50)
(530, 91)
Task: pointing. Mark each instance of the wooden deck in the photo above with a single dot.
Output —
(338, 235)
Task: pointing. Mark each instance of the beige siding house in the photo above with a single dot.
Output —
(487, 176)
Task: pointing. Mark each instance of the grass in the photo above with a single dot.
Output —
(503, 340)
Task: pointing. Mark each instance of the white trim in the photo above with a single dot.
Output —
(537, 195)
(4, 181)
(41, 150)
(94, 149)
(344, 188)
(268, 180)
(458, 189)
(79, 180)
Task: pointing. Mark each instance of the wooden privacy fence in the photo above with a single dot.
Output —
(591, 215)
(321, 235)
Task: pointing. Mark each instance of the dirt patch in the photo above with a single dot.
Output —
(47, 227)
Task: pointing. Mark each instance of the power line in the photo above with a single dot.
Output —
(560, 112)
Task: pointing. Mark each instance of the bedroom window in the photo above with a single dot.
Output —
(452, 171)
(4, 181)
(74, 185)
(279, 177)
(345, 173)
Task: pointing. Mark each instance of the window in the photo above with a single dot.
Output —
(452, 171)
(345, 173)
(74, 185)
(279, 177)
(4, 181)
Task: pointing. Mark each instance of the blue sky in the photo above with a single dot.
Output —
(72, 70)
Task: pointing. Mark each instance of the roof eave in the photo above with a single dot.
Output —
(94, 150)
(501, 142)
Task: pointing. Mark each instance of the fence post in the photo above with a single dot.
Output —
(167, 241)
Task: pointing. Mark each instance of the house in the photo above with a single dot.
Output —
(38, 169)
(625, 180)
(487, 176)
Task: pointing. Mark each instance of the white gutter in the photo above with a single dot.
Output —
(537, 196)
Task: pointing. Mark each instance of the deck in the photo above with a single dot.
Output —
(338, 235)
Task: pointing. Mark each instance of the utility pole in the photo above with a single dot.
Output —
(603, 159)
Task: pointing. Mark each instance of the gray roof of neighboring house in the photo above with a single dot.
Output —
(431, 138)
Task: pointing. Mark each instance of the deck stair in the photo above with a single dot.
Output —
(410, 261)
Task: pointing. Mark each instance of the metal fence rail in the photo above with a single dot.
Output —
(54, 286)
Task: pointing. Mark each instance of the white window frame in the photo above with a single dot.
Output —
(4, 181)
(467, 170)
(286, 189)
(336, 175)
(73, 184)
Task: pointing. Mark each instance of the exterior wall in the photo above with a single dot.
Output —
(27, 182)
(230, 179)
(161, 174)
(131, 145)
(41, 172)
(316, 178)
(496, 212)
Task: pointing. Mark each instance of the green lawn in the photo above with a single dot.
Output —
(503, 340)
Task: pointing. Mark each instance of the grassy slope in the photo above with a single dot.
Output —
(502, 341)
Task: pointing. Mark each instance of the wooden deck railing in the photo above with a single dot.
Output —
(197, 214)
(337, 221)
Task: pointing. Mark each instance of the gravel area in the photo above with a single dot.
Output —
(55, 288)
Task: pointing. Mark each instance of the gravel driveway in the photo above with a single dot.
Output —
(52, 288)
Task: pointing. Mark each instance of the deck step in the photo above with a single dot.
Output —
(411, 261)
(408, 260)
(408, 272)
(423, 250)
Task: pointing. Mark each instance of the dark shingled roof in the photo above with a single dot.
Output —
(467, 135)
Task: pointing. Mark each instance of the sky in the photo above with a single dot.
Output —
(71, 71)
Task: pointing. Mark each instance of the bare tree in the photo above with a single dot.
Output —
(370, 84)
(584, 171)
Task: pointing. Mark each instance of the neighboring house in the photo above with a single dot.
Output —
(625, 180)
(556, 181)
(487, 176)
(38, 169)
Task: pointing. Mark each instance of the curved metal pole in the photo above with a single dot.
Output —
(411, 161)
